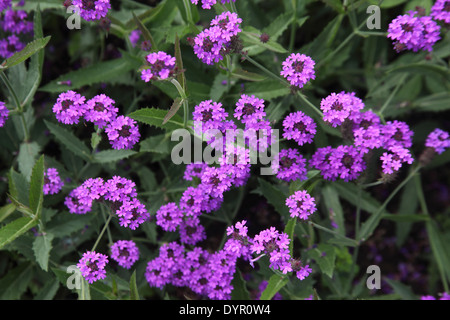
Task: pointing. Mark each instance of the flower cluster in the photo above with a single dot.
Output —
(414, 32)
(208, 4)
(301, 205)
(443, 296)
(4, 112)
(119, 192)
(159, 66)
(91, 10)
(440, 11)
(125, 253)
(219, 39)
(298, 69)
(16, 27)
(92, 266)
(289, 165)
(122, 131)
(52, 181)
(439, 140)
(299, 127)
(337, 107)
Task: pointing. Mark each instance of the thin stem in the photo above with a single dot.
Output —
(184, 101)
(233, 6)
(187, 6)
(372, 184)
(107, 229)
(102, 232)
(315, 225)
(306, 101)
(356, 251)
(391, 96)
(293, 25)
(267, 71)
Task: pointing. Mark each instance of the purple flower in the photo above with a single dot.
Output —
(439, 140)
(4, 4)
(92, 9)
(134, 37)
(4, 112)
(259, 135)
(364, 119)
(194, 170)
(123, 133)
(229, 22)
(431, 33)
(78, 201)
(289, 165)
(132, 214)
(321, 161)
(298, 69)
(209, 45)
(52, 181)
(119, 189)
(191, 231)
(160, 66)
(125, 253)
(100, 110)
(209, 115)
(275, 245)
(300, 271)
(92, 266)
(14, 21)
(368, 139)
(238, 242)
(169, 216)
(192, 200)
(299, 127)
(441, 11)
(10, 45)
(69, 107)
(396, 133)
(347, 161)
(393, 160)
(249, 109)
(337, 107)
(301, 205)
(216, 180)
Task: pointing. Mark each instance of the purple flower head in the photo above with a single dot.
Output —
(301, 205)
(192, 201)
(134, 37)
(392, 161)
(249, 109)
(431, 33)
(4, 112)
(52, 181)
(209, 45)
(4, 4)
(229, 22)
(275, 245)
(209, 115)
(216, 180)
(348, 162)
(14, 21)
(441, 11)
(259, 135)
(191, 231)
(298, 69)
(69, 107)
(238, 243)
(100, 110)
(92, 266)
(132, 214)
(125, 253)
(160, 66)
(396, 133)
(123, 132)
(368, 139)
(299, 127)
(78, 201)
(365, 119)
(10, 45)
(156, 273)
(300, 271)
(169, 216)
(194, 170)
(321, 161)
(92, 9)
(119, 189)
(337, 107)
(439, 140)
(289, 165)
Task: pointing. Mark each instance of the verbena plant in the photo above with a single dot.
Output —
(122, 177)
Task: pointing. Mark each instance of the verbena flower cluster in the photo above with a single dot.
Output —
(15, 29)
(440, 11)
(220, 38)
(208, 4)
(91, 10)
(125, 253)
(52, 181)
(298, 69)
(122, 131)
(415, 32)
(4, 113)
(159, 66)
(118, 193)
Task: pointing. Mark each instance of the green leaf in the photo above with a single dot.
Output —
(439, 249)
(42, 246)
(30, 49)
(145, 32)
(36, 187)
(251, 38)
(246, 75)
(406, 217)
(69, 140)
(275, 197)
(289, 230)
(173, 110)
(6, 210)
(16, 282)
(433, 103)
(65, 224)
(15, 229)
(405, 292)
(331, 199)
(157, 144)
(134, 293)
(111, 71)
(27, 156)
(49, 290)
(422, 68)
(240, 291)
(112, 155)
(179, 63)
(325, 256)
(267, 89)
(155, 117)
(275, 284)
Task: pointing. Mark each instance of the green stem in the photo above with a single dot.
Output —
(306, 101)
(107, 229)
(293, 25)
(187, 7)
(233, 6)
(184, 101)
(391, 96)
(266, 71)
(356, 251)
(102, 232)
(315, 225)
(372, 184)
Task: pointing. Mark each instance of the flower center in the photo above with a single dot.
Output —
(207, 45)
(347, 161)
(99, 107)
(337, 106)
(125, 131)
(398, 135)
(88, 4)
(206, 115)
(124, 253)
(298, 66)
(300, 126)
(66, 104)
(248, 109)
(286, 162)
(407, 27)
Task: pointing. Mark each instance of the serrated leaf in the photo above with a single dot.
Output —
(19, 187)
(325, 256)
(155, 117)
(69, 140)
(145, 32)
(30, 49)
(240, 291)
(134, 293)
(111, 71)
(36, 187)
(112, 155)
(274, 285)
(267, 89)
(27, 156)
(15, 229)
(42, 246)
(157, 144)
(173, 110)
(275, 197)
(6, 210)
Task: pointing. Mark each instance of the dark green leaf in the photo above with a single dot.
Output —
(36, 187)
(134, 293)
(15, 229)
(30, 49)
(112, 155)
(155, 117)
(275, 197)
(27, 156)
(325, 256)
(275, 284)
(240, 291)
(42, 245)
(173, 110)
(15, 282)
(145, 32)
